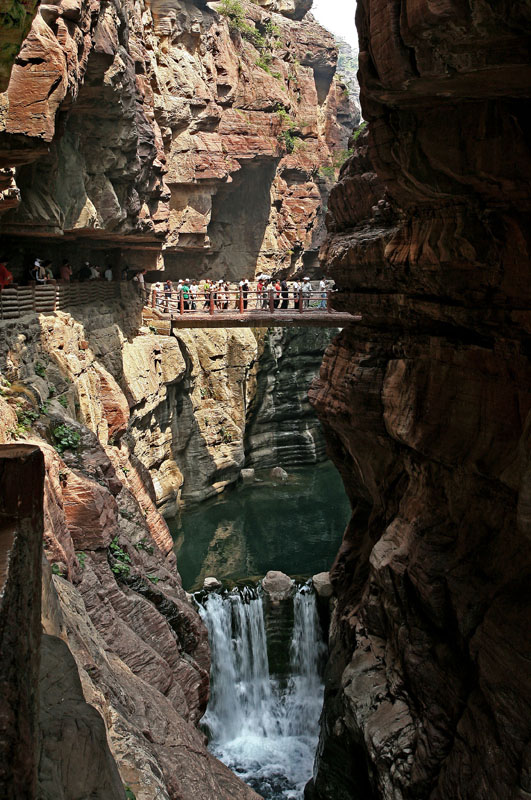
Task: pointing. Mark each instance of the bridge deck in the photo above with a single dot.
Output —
(311, 318)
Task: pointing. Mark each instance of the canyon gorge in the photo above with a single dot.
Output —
(215, 139)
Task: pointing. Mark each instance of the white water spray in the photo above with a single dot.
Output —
(265, 727)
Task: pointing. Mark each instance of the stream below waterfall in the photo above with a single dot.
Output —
(267, 658)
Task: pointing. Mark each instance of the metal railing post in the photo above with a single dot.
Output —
(181, 302)
(300, 301)
(211, 305)
(272, 301)
(241, 300)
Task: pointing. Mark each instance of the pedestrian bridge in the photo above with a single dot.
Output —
(167, 311)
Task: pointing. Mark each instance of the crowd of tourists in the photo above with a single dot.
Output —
(201, 295)
(41, 271)
(188, 295)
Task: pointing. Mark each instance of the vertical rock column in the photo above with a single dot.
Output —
(426, 407)
(21, 527)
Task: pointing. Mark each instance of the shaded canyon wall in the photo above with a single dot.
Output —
(426, 407)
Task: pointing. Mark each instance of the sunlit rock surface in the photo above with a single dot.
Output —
(144, 128)
(426, 410)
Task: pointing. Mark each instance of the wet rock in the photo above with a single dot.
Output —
(278, 586)
(211, 584)
(278, 474)
(247, 475)
(323, 585)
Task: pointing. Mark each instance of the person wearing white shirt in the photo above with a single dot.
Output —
(108, 274)
(306, 292)
(296, 287)
(322, 289)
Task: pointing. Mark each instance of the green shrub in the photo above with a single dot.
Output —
(66, 438)
(226, 436)
(263, 62)
(39, 369)
(63, 400)
(287, 139)
(357, 133)
(81, 557)
(145, 546)
(129, 794)
(120, 567)
(235, 13)
(25, 418)
(153, 579)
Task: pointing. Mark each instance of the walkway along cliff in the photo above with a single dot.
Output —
(426, 409)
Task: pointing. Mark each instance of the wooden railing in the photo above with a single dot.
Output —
(238, 301)
(17, 301)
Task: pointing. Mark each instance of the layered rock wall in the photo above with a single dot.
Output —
(132, 129)
(426, 409)
(140, 651)
(282, 428)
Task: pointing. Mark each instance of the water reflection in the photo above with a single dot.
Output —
(294, 526)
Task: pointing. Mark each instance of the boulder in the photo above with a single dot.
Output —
(278, 586)
(322, 585)
(247, 475)
(278, 474)
(211, 584)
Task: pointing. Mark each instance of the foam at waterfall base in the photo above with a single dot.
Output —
(264, 726)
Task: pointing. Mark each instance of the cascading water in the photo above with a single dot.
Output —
(264, 723)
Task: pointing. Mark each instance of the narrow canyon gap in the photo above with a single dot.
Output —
(204, 139)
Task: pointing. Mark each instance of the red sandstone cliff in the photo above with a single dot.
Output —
(427, 410)
(139, 129)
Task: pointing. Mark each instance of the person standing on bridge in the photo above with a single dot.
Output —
(322, 289)
(193, 295)
(207, 288)
(277, 294)
(284, 290)
(259, 288)
(245, 291)
(185, 290)
(296, 289)
(168, 288)
(306, 292)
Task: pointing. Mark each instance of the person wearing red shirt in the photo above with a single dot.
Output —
(5, 276)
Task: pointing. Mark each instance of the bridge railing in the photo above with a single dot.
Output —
(17, 301)
(239, 301)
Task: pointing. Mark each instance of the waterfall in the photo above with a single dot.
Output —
(264, 725)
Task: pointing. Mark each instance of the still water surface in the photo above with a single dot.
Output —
(295, 527)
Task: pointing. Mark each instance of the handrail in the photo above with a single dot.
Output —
(222, 301)
(17, 301)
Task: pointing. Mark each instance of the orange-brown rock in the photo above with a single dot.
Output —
(167, 128)
(427, 406)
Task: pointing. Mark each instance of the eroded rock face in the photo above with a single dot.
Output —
(282, 427)
(426, 409)
(146, 127)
